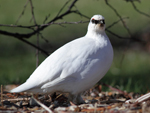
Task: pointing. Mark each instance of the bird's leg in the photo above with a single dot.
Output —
(71, 97)
(80, 99)
(53, 96)
(76, 99)
(33, 100)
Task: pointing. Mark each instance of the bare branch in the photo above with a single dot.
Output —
(16, 99)
(29, 43)
(125, 26)
(32, 11)
(33, 26)
(46, 18)
(28, 35)
(22, 11)
(117, 35)
(62, 8)
(135, 39)
(73, 3)
(134, 6)
(37, 50)
(37, 28)
(17, 35)
(43, 38)
(50, 46)
(43, 106)
(60, 23)
(33, 17)
(20, 38)
(82, 15)
(133, 1)
(116, 22)
(19, 26)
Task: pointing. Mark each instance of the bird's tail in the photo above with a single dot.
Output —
(23, 87)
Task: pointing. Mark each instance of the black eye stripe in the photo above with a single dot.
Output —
(97, 21)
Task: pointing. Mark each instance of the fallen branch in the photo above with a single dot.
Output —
(43, 106)
(142, 98)
(16, 99)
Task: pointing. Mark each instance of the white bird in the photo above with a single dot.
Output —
(74, 67)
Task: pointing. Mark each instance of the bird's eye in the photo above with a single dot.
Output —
(95, 21)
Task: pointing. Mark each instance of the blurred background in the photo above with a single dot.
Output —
(130, 70)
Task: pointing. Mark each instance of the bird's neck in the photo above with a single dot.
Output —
(95, 35)
(100, 38)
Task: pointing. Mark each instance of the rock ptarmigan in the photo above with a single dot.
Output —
(74, 67)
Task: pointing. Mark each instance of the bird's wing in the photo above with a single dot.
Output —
(63, 62)
(59, 81)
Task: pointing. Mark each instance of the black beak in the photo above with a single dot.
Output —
(102, 22)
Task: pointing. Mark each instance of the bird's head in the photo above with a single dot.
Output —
(97, 24)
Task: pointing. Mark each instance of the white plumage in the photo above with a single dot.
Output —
(74, 67)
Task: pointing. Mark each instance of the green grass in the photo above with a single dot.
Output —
(130, 71)
(17, 60)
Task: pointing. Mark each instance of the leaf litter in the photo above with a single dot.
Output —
(97, 101)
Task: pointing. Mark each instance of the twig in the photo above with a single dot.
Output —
(116, 22)
(22, 11)
(37, 50)
(17, 35)
(42, 105)
(29, 43)
(73, 3)
(60, 23)
(32, 11)
(79, 13)
(39, 28)
(133, 0)
(2, 94)
(17, 99)
(117, 35)
(135, 39)
(111, 101)
(62, 8)
(33, 17)
(28, 35)
(49, 45)
(118, 90)
(33, 26)
(134, 6)
(44, 38)
(116, 12)
(142, 98)
(19, 26)
(46, 18)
